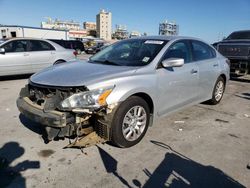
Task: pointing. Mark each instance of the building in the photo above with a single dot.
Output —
(77, 34)
(10, 31)
(120, 32)
(104, 25)
(90, 27)
(58, 24)
(75, 31)
(168, 28)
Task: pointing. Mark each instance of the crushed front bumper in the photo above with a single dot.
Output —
(87, 127)
(36, 113)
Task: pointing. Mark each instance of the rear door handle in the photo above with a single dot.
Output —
(193, 71)
(216, 65)
(26, 54)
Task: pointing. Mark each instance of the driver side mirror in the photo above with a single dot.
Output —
(2, 51)
(172, 62)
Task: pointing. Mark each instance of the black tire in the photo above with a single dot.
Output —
(214, 100)
(59, 62)
(117, 136)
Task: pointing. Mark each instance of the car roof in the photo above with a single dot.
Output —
(24, 38)
(240, 31)
(162, 37)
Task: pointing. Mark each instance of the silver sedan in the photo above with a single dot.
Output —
(125, 87)
(29, 55)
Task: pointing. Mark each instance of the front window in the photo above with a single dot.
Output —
(179, 50)
(133, 52)
(16, 46)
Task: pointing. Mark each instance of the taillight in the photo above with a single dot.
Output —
(228, 62)
(75, 53)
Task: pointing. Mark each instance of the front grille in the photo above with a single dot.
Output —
(39, 95)
(239, 67)
(234, 50)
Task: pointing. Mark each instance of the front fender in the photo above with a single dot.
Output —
(128, 86)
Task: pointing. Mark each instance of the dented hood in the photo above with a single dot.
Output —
(79, 73)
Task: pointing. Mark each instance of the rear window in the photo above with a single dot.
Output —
(239, 35)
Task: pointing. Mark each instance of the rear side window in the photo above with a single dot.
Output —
(202, 51)
(37, 45)
(15, 46)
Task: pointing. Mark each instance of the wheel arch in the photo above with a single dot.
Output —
(59, 60)
(224, 78)
(148, 100)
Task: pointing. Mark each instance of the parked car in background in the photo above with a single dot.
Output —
(29, 55)
(71, 44)
(215, 45)
(236, 47)
(94, 49)
(105, 46)
(121, 90)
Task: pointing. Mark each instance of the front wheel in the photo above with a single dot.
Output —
(130, 122)
(218, 91)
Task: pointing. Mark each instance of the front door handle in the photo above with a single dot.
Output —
(193, 71)
(26, 54)
(216, 65)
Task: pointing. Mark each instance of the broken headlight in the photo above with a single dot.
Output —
(89, 99)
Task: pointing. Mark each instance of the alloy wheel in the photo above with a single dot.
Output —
(134, 123)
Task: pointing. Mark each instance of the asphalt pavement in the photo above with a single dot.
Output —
(201, 146)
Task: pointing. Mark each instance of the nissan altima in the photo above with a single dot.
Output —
(120, 91)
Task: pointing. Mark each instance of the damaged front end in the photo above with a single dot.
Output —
(72, 112)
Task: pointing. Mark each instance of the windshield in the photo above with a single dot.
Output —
(133, 52)
(239, 35)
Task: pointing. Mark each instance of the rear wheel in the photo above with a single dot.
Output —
(218, 91)
(130, 122)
